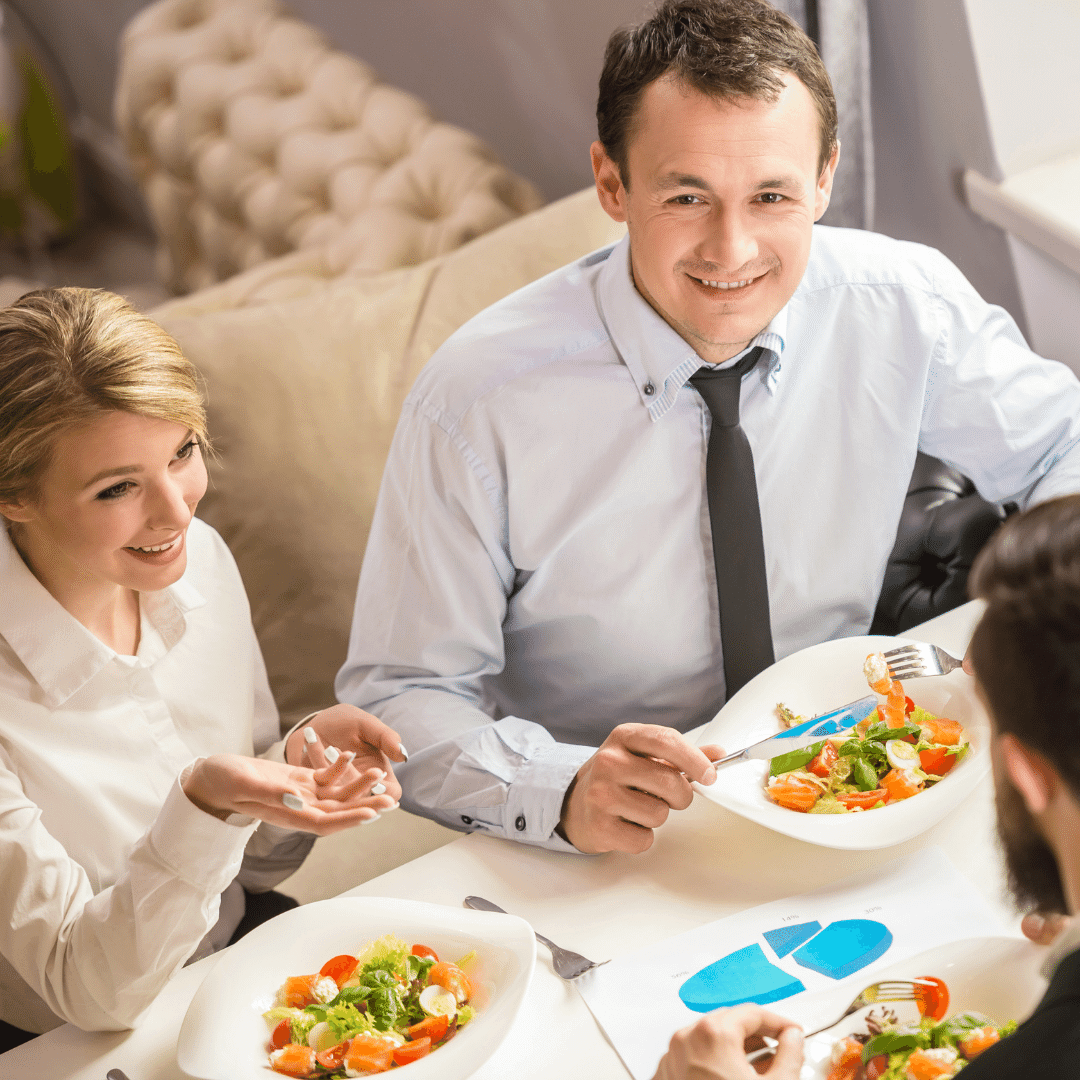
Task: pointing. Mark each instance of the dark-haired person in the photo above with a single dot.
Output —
(1026, 658)
(579, 563)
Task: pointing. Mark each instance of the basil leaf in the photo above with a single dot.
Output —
(864, 775)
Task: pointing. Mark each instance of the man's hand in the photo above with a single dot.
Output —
(715, 1048)
(626, 789)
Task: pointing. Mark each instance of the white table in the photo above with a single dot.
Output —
(706, 863)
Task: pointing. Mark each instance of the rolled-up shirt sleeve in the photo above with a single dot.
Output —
(427, 629)
(1001, 414)
(99, 961)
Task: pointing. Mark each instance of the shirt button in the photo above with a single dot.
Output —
(466, 819)
(649, 389)
(520, 823)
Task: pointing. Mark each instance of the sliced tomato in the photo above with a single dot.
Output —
(282, 1035)
(932, 1000)
(431, 1027)
(423, 950)
(936, 760)
(793, 796)
(909, 705)
(877, 1066)
(411, 1051)
(368, 1053)
(900, 784)
(452, 977)
(863, 799)
(824, 761)
(340, 968)
(333, 1057)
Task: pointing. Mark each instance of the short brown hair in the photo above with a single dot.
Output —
(68, 356)
(1026, 648)
(724, 48)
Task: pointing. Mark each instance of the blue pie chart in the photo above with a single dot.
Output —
(741, 976)
(844, 947)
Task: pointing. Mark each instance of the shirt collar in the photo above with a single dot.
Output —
(60, 653)
(1066, 944)
(658, 359)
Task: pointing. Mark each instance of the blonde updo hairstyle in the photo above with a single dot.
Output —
(69, 356)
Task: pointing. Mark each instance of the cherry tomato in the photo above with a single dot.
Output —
(282, 1035)
(340, 968)
(423, 950)
(876, 1067)
(333, 1057)
(418, 1048)
(432, 1027)
(824, 761)
(936, 760)
(452, 978)
(865, 799)
(909, 705)
(933, 1000)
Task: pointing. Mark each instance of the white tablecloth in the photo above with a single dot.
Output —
(706, 862)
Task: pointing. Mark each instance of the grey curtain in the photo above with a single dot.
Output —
(840, 30)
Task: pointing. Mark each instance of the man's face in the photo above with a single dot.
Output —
(720, 206)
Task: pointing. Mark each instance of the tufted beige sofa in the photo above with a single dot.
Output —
(251, 138)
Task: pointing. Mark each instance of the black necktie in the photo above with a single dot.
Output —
(738, 551)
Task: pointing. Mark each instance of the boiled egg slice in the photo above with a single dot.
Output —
(901, 754)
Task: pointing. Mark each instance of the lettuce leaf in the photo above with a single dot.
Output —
(388, 953)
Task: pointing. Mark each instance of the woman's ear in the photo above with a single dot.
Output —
(1031, 774)
(16, 511)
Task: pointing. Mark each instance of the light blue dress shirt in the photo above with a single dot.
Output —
(540, 566)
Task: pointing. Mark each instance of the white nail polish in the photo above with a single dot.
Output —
(380, 775)
(349, 755)
(369, 820)
(310, 736)
(387, 809)
(378, 789)
(332, 754)
(293, 802)
(404, 752)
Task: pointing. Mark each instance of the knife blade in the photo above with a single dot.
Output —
(807, 733)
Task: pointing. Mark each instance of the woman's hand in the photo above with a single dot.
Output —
(321, 801)
(715, 1048)
(344, 728)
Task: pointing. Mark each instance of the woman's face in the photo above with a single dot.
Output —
(114, 504)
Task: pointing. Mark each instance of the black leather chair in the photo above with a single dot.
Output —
(943, 527)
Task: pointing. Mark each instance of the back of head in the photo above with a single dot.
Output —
(1026, 648)
(723, 48)
(68, 356)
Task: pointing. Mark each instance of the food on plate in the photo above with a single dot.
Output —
(935, 1047)
(386, 1007)
(895, 753)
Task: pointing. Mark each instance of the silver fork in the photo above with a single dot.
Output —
(920, 661)
(568, 965)
(875, 994)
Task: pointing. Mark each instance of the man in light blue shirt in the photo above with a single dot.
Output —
(537, 612)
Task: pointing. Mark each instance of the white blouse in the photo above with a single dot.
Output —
(110, 877)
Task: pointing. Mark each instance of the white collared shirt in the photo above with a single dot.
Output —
(111, 876)
(540, 567)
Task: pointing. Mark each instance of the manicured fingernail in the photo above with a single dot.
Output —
(380, 775)
(387, 809)
(310, 736)
(293, 802)
(710, 775)
(404, 752)
(348, 755)
(369, 820)
(378, 789)
(332, 754)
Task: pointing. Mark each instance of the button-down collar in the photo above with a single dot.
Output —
(60, 653)
(658, 359)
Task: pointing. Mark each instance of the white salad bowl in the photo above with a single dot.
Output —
(224, 1035)
(819, 679)
(996, 976)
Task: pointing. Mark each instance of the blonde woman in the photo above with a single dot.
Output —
(136, 823)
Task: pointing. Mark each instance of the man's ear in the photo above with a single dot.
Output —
(823, 192)
(609, 185)
(1031, 774)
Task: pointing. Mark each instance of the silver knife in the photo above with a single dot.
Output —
(807, 733)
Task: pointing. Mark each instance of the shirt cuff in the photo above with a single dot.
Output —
(534, 799)
(197, 847)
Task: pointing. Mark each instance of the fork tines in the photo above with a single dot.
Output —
(910, 661)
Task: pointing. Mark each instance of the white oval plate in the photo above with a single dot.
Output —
(224, 1036)
(819, 679)
(998, 977)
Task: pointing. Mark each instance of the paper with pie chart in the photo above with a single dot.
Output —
(777, 953)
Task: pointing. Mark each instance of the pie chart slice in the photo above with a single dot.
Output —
(786, 938)
(737, 978)
(844, 947)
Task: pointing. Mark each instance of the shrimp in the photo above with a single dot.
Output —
(900, 784)
(979, 1040)
(941, 730)
(846, 1059)
(793, 795)
(293, 1060)
(931, 1064)
(876, 670)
